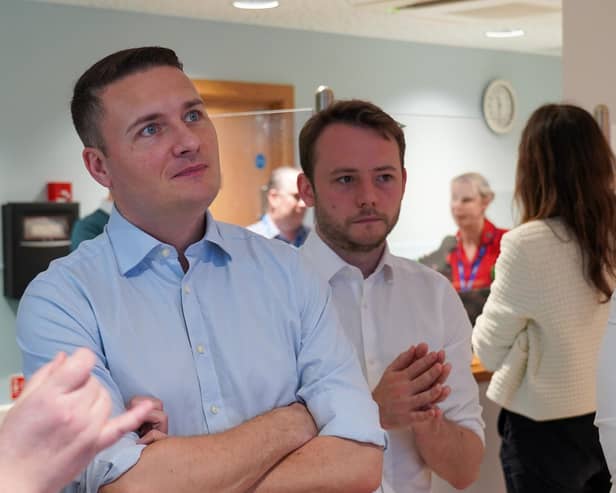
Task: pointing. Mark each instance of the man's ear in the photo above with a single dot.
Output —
(96, 164)
(305, 190)
(272, 198)
(403, 181)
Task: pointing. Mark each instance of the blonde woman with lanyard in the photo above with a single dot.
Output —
(468, 259)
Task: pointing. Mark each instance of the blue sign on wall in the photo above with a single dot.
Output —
(260, 161)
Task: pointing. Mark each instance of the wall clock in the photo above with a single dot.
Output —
(499, 106)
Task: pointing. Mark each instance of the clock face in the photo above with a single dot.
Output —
(499, 106)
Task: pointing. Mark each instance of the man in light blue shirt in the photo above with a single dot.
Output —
(234, 333)
(284, 216)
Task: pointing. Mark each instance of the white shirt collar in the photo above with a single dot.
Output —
(328, 263)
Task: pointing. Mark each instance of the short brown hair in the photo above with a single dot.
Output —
(566, 170)
(353, 112)
(86, 107)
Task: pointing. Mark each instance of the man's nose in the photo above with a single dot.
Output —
(366, 194)
(187, 141)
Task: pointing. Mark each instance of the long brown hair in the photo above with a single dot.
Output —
(566, 170)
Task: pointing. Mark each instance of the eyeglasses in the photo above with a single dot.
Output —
(292, 195)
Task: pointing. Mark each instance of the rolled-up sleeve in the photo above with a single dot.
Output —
(331, 381)
(462, 406)
(51, 320)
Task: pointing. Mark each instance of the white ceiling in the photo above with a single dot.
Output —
(448, 22)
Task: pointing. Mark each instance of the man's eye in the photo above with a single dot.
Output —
(385, 178)
(149, 130)
(193, 116)
(344, 179)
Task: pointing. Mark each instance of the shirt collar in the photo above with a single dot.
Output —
(386, 265)
(487, 233)
(300, 237)
(328, 263)
(214, 236)
(271, 229)
(132, 245)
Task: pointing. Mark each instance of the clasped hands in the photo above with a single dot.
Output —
(411, 388)
(408, 393)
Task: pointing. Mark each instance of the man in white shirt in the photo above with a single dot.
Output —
(408, 325)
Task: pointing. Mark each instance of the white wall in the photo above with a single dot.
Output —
(439, 148)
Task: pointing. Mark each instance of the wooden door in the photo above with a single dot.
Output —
(250, 145)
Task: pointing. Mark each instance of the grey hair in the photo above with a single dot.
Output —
(279, 174)
(483, 187)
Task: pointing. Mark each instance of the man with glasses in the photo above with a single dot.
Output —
(285, 213)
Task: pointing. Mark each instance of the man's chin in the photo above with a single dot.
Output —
(366, 244)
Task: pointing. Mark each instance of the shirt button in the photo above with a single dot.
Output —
(187, 289)
(200, 349)
(214, 409)
(165, 252)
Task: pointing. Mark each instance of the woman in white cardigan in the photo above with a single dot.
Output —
(543, 322)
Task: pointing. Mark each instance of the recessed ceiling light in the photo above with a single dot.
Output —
(256, 5)
(505, 33)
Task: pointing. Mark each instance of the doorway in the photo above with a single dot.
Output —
(254, 137)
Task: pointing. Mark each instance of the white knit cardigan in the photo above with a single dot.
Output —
(542, 325)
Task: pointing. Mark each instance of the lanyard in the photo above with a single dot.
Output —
(467, 284)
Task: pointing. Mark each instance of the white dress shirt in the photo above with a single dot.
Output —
(402, 303)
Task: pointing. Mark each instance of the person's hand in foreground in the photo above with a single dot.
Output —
(59, 423)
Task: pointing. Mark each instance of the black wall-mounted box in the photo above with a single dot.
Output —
(33, 234)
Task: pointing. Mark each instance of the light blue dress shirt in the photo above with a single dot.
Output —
(249, 327)
(266, 227)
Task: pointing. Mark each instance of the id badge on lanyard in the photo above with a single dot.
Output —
(467, 284)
